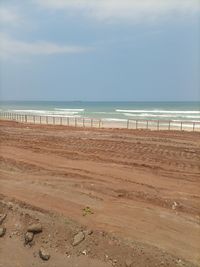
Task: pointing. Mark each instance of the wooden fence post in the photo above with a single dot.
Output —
(67, 121)
(169, 127)
(127, 124)
(158, 122)
(147, 124)
(193, 126)
(181, 125)
(136, 124)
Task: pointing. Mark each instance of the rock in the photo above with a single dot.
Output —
(28, 237)
(44, 255)
(128, 263)
(2, 218)
(2, 231)
(84, 252)
(35, 228)
(78, 238)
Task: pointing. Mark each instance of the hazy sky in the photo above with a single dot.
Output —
(140, 50)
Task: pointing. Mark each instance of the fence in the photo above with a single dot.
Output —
(102, 123)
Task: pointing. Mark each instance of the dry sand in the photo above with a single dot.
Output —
(142, 189)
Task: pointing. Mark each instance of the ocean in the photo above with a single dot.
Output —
(108, 111)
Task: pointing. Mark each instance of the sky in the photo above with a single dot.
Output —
(100, 50)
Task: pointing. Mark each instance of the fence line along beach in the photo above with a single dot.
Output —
(102, 123)
(131, 115)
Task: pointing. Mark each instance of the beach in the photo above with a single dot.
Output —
(138, 190)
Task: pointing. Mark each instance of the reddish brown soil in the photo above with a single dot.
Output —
(142, 187)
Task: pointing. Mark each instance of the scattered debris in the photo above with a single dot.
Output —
(87, 211)
(78, 238)
(35, 228)
(29, 237)
(44, 255)
(2, 218)
(2, 231)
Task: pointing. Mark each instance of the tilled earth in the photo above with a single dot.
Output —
(139, 191)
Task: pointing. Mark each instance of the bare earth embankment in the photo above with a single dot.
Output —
(142, 190)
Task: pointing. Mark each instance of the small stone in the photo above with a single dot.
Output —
(78, 238)
(2, 231)
(2, 218)
(35, 228)
(44, 255)
(29, 237)
(128, 263)
(84, 252)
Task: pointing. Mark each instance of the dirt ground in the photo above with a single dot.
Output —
(138, 190)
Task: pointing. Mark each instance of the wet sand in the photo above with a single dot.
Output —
(141, 186)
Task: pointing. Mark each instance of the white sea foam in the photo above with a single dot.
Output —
(158, 111)
(162, 115)
(29, 111)
(70, 114)
(32, 111)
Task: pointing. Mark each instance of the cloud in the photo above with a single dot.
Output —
(10, 47)
(125, 9)
(9, 16)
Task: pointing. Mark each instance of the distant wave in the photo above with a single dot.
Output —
(44, 111)
(71, 109)
(108, 113)
(28, 111)
(158, 111)
(162, 115)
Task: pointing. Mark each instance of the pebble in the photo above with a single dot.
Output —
(44, 255)
(29, 237)
(2, 231)
(35, 228)
(78, 238)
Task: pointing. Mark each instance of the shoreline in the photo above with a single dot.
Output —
(193, 126)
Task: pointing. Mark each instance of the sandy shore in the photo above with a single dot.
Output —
(142, 187)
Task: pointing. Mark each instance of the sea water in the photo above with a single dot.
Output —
(108, 111)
